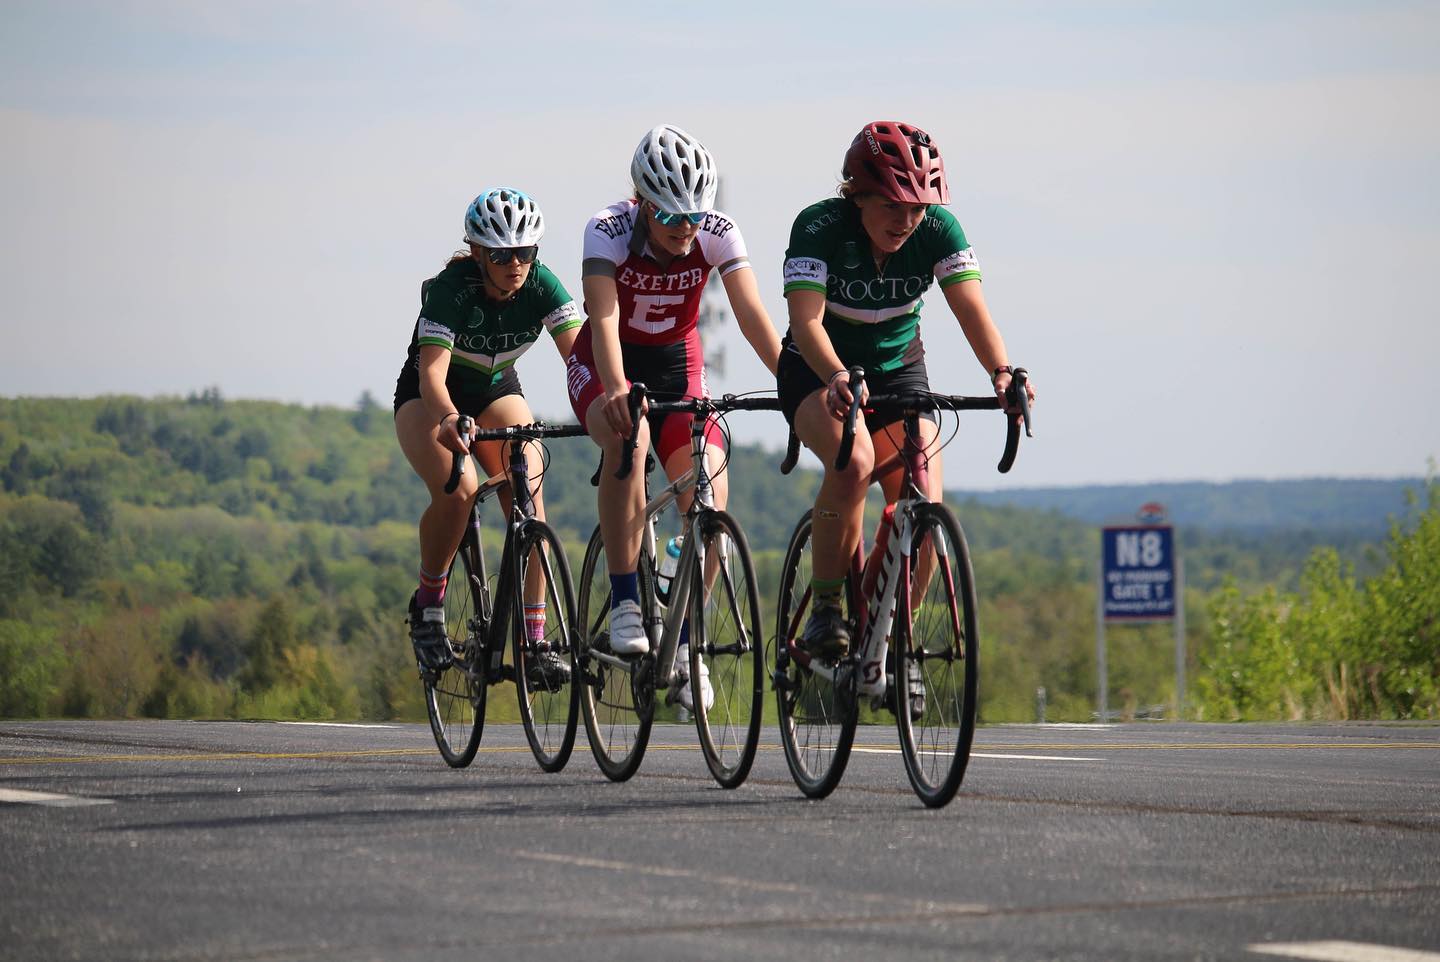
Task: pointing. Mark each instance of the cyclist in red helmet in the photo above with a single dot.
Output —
(855, 270)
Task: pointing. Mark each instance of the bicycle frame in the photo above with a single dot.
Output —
(874, 578)
(698, 477)
(486, 625)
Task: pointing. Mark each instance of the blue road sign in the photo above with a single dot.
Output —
(1138, 576)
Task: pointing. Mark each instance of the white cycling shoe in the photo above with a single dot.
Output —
(627, 630)
(707, 694)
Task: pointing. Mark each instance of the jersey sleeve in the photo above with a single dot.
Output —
(806, 259)
(439, 316)
(559, 311)
(606, 243)
(954, 257)
(723, 244)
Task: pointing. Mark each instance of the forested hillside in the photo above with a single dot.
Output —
(205, 557)
(1327, 507)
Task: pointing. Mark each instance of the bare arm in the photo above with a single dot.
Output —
(807, 329)
(434, 365)
(754, 320)
(602, 303)
(565, 342)
(967, 303)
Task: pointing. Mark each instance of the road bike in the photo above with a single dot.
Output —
(912, 617)
(480, 625)
(713, 587)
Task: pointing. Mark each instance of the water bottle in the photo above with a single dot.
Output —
(669, 564)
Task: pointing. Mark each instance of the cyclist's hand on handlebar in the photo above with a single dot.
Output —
(1002, 391)
(838, 397)
(617, 411)
(448, 434)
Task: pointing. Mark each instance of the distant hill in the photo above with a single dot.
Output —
(1330, 506)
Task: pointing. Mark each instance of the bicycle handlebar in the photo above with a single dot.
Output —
(464, 425)
(703, 406)
(1015, 396)
(526, 432)
(856, 381)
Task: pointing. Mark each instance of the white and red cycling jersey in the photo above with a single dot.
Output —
(659, 311)
(658, 305)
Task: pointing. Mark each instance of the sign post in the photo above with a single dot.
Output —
(1141, 580)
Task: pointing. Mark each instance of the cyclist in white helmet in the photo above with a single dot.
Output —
(477, 316)
(645, 264)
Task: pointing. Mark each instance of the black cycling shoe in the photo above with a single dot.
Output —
(826, 634)
(546, 670)
(427, 636)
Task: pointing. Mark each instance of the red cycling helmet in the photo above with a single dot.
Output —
(897, 161)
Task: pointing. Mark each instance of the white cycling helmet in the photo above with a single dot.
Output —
(504, 217)
(674, 171)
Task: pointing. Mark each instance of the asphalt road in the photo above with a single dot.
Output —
(189, 840)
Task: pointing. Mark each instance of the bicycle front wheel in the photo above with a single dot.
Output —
(818, 714)
(617, 703)
(937, 656)
(455, 696)
(543, 665)
(725, 651)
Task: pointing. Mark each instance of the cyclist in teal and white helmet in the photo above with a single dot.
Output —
(477, 316)
(645, 263)
(504, 218)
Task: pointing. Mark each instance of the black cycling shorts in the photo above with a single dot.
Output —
(795, 381)
(467, 401)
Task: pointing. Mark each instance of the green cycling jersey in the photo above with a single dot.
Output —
(486, 336)
(872, 312)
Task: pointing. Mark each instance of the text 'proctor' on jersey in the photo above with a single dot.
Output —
(871, 312)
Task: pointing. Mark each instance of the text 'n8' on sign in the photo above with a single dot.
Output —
(1138, 574)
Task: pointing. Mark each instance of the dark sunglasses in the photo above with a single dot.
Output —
(500, 256)
(667, 219)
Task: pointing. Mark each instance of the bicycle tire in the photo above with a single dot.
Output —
(726, 633)
(817, 718)
(618, 706)
(940, 636)
(547, 710)
(455, 696)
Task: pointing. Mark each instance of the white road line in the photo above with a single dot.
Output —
(1028, 758)
(1343, 952)
(15, 796)
(1075, 726)
(713, 881)
(336, 724)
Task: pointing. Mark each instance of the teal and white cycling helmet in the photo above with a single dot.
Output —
(674, 171)
(504, 217)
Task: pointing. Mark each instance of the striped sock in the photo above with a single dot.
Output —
(431, 593)
(535, 622)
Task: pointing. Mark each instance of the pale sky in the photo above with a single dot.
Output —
(1207, 229)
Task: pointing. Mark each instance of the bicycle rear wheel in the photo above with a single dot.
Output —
(547, 698)
(455, 696)
(937, 656)
(817, 716)
(725, 633)
(618, 705)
